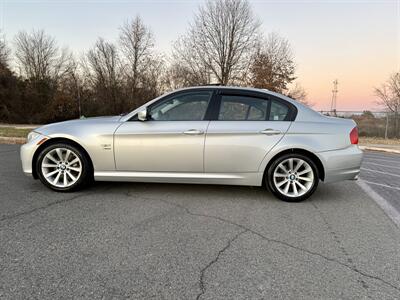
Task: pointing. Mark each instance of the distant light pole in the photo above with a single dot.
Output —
(78, 95)
(334, 96)
(79, 99)
(387, 125)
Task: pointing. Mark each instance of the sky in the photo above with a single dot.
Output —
(355, 42)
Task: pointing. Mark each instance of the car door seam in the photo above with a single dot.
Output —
(113, 144)
(204, 147)
(283, 135)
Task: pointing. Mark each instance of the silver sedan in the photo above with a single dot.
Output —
(209, 135)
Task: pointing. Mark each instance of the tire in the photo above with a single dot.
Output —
(70, 172)
(298, 183)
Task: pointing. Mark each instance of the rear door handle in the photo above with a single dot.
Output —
(270, 131)
(193, 132)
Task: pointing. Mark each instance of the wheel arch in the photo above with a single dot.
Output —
(309, 154)
(54, 141)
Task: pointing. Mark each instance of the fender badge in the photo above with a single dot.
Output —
(106, 146)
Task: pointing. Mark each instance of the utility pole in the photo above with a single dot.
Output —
(334, 96)
(79, 98)
(78, 94)
(387, 125)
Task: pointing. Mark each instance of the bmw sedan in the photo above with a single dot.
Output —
(208, 135)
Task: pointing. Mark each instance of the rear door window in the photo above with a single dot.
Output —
(242, 108)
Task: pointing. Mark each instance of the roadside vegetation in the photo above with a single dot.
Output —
(40, 82)
(377, 125)
(14, 132)
(378, 141)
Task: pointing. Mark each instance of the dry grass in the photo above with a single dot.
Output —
(14, 132)
(378, 140)
(12, 140)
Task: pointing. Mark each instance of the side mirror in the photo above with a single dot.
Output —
(142, 115)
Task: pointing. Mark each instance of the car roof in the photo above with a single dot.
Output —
(240, 88)
(219, 87)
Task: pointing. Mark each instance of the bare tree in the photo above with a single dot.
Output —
(298, 93)
(389, 97)
(4, 52)
(39, 57)
(188, 68)
(142, 66)
(273, 65)
(104, 71)
(180, 74)
(137, 45)
(152, 79)
(219, 42)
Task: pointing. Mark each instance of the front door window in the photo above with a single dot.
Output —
(190, 106)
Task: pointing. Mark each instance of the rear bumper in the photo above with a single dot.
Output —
(342, 164)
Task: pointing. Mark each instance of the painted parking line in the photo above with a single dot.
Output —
(381, 159)
(380, 172)
(381, 184)
(390, 211)
(390, 157)
(386, 166)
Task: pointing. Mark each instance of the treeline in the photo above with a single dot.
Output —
(41, 82)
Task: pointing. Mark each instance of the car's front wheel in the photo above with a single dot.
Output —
(63, 167)
(292, 177)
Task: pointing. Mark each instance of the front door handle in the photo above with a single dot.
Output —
(270, 131)
(193, 132)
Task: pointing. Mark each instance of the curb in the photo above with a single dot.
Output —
(380, 149)
(12, 140)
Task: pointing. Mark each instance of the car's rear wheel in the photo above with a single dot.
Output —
(63, 167)
(292, 177)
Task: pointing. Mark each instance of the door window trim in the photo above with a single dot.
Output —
(214, 103)
(219, 100)
(291, 115)
(179, 93)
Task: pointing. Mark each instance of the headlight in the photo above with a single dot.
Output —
(32, 135)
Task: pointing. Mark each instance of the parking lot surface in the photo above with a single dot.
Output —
(167, 241)
(381, 171)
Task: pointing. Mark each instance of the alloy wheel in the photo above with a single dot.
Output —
(293, 177)
(61, 167)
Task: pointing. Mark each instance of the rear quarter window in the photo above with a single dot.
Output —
(279, 111)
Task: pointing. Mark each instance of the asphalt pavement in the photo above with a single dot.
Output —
(170, 241)
(381, 171)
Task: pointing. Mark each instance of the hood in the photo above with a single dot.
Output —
(77, 123)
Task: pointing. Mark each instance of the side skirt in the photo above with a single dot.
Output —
(251, 179)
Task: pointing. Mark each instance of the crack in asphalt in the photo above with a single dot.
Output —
(349, 267)
(10, 217)
(23, 213)
(220, 252)
(339, 243)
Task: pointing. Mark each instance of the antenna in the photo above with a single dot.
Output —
(334, 96)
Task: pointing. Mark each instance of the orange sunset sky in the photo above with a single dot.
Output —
(356, 42)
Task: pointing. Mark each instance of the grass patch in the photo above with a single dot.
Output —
(14, 132)
(377, 140)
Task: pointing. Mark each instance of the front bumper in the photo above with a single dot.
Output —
(27, 152)
(342, 164)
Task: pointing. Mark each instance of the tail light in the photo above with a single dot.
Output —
(354, 136)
